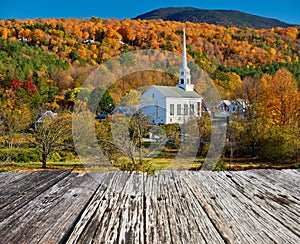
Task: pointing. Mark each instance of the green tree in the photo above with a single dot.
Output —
(132, 98)
(101, 101)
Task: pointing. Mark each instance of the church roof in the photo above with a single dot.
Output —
(173, 91)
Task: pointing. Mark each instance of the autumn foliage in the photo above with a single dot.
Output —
(15, 84)
(44, 62)
(221, 45)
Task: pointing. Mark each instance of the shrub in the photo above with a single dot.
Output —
(221, 166)
(62, 156)
(125, 164)
(20, 155)
(296, 166)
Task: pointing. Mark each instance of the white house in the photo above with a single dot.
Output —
(173, 104)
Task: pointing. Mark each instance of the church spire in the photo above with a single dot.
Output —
(184, 61)
(184, 75)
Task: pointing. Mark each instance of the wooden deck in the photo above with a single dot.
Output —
(259, 206)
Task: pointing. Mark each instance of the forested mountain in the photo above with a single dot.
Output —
(229, 18)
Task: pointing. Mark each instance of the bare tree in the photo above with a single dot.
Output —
(127, 136)
(52, 134)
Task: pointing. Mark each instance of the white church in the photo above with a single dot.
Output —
(173, 104)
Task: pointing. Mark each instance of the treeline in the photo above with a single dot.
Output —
(212, 45)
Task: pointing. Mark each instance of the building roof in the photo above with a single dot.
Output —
(226, 102)
(127, 110)
(173, 91)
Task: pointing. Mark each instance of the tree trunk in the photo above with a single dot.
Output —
(44, 160)
(134, 168)
(253, 153)
(231, 152)
(141, 155)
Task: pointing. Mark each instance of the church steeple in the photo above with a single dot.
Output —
(184, 75)
(184, 61)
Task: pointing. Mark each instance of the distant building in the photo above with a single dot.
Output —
(102, 117)
(224, 105)
(23, 39)
(120, 41)
(173, 104)
(226, 108)
(89, 41)
(238, 106)
(126, 110)
(48, 114)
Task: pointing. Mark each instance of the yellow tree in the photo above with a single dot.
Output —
(279, 98)
(279, 108)
(4, 33)
(127, 34)
(15, 117)
(85, 35)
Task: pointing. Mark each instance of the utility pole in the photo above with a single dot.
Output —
(156, 113)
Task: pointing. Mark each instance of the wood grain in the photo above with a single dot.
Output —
(256, 206)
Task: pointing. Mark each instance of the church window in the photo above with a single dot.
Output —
(182, 73)
(171, 109)
(153, 95)
(178, 109)
(192, 109)
(181, 81)
(186, 109)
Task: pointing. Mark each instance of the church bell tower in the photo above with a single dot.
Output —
(184, 75)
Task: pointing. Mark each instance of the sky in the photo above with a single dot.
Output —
(287, 11)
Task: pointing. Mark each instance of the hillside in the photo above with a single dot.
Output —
(62, 52)
(218, 17)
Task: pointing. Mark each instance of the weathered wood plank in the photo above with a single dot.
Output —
(49, 216)
(173, 214)
(236, 216)
(92, 216)
(285, 180)
(144, 210)
(7, 177)
(127, 220)
(276, 201)
(169, 207)
(157, 219)
(19, 192)
(115, 214)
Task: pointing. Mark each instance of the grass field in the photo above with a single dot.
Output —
(33, 166)
(150, 165)
(77, 166)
